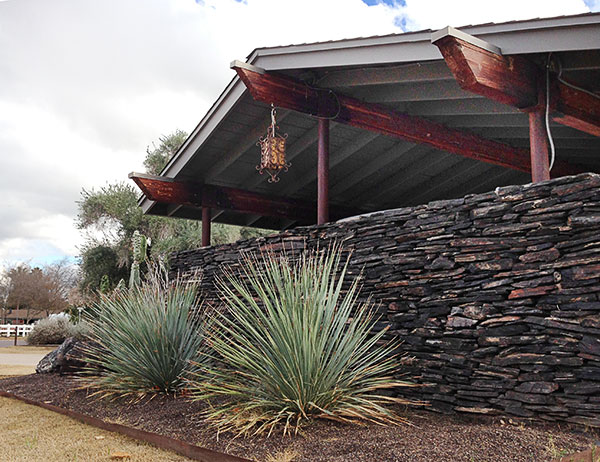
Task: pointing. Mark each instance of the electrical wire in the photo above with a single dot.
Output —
(570, 85)
(339, 106)
(547, 114)
(337, 100)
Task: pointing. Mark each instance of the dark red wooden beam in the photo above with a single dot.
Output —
(293, 94)
(575, 109)
(515, 81)
(170, 191)
(206, 212)
(510, 80)
(323, 172)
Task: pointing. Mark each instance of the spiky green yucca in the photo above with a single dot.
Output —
(302, 349)
(147, 338)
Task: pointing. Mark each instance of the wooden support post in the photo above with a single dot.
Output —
(205, 226)
(323, 172)
(538, 142)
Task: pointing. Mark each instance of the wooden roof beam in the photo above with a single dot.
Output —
(575, 108)
(415, 92)
(481, 68)
(395, 155)
(170, 191)
(411, 172)
(290, 93)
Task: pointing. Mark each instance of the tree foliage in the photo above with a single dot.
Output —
(40, 291)
(109, 206)
(159, 156)
(101, 262)
(109, 216)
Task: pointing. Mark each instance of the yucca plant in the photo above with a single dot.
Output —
(145, 339)
(291, 346)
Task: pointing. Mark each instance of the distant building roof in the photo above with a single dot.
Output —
(22, 315)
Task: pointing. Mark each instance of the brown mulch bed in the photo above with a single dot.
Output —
(434, 437)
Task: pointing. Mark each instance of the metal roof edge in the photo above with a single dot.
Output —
(313, 54)
(356, 42)
(167, 169)
(173, 167)
(145, 204)
(452, 32)
(244, 65)
(582, 19)
(488, 28)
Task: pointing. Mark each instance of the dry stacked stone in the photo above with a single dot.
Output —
(495, 296)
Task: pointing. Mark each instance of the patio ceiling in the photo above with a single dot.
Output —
(370, 171)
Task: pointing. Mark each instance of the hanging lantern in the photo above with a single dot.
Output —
(272, 151)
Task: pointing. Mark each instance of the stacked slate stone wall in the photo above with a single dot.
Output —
(496, 296)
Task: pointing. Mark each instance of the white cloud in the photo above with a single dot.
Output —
(435, 14)
(86, 85)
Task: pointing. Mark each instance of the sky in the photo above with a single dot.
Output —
(87, 85)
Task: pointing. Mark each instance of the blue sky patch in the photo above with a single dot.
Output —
(387, 2)
(400, 21)
(593, 5)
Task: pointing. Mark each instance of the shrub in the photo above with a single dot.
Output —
(291, 346)
(54, 330)
(145, 339)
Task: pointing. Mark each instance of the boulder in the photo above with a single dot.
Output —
(67, 358)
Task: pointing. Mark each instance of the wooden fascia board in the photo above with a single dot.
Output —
(290, 93)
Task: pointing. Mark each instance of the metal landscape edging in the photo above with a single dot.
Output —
(160, 441)
(591, 455)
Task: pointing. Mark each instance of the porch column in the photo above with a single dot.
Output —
(205, 226)
(323, 172)
(538, 142)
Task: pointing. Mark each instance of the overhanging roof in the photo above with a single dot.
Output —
(404, 72)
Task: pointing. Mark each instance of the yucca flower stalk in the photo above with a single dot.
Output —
(145, 339)
(291, 346)
(139, 243)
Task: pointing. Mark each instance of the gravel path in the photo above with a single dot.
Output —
(8, 342)
(20, 359)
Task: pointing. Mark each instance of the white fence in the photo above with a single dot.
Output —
(8, 330)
